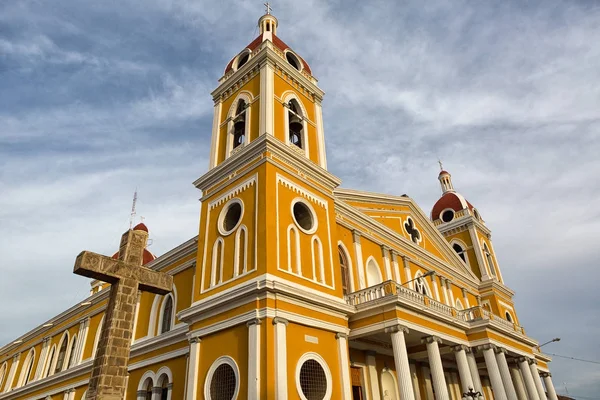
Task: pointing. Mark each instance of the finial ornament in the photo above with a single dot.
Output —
(441, 166)
(269, 8)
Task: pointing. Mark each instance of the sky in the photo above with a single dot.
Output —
(98, 98)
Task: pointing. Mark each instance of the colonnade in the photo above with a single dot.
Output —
(520, 381)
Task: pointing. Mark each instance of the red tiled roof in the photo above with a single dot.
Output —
(140, 227)
(280, 44)
(147, 256)
(449, 200)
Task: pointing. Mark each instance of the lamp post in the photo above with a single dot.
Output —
(557, 339)
(472, 395)
(425, 275)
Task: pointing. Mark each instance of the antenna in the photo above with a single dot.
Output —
(132, 216)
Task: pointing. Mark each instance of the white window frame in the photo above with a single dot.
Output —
(162, 314)
(371, 261)
(25, 368)
(223, 213)
(248, 98)
(464, 251)
(211, 371)
(286, 117)
(421, 282)
(312, 211)
(316, 357)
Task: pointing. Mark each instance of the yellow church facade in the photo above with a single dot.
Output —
(295, 288)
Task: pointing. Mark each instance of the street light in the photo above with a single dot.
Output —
(557, 339)
(425, 275)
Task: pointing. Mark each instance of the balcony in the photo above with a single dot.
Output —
(389, 291)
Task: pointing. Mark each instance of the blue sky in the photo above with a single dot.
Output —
(98, 98)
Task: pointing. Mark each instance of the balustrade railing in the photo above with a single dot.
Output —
(394, 289)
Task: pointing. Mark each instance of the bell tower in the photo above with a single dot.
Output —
(267, 89)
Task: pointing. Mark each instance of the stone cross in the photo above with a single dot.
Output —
(126, 276)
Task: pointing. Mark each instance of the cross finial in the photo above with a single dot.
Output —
(441, 166)
(268, 5)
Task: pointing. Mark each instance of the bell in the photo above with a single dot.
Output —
(296, 126)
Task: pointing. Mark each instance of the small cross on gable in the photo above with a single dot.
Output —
(412, 230)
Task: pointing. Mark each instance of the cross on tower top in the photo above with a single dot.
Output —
(441, 166)
(269, 8)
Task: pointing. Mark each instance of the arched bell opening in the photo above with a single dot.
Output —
(239, 124)
(295, 124)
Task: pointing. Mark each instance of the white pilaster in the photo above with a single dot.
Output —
(436, 367)
(528, 378)
(407, 274)
(385, 253)
(405, 386)
(428, 386)
(445, 292)
(493, 372)
(536, 379)
(415, 381)
(373, 376)
(320, 135)
(478, 254)
(509, 387)
(40, 365)
(397, 276)
(214, 143)
(465, 298)
(136, 315)
(474, 371)
(265, 119)
(360, 269)
(450, 293)
(280, 324)
(549, 386)
(342, 342)
(464, 372)
(83, 340)
(518, 382)
(435, 286)
(194, 363)
(254, 359)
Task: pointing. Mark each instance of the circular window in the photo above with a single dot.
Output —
(313, 378)
(222, 382)
(448, 215)
(304, 216)
(231, 216)
(293, 60)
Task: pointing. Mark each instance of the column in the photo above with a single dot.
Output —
(463, 368)
(265, 120)
(493, 371)
(474, 371)
(528, 378)
(437, 369)
(536, 379)
(253, 359)
(397, 276)
(373, 377)
(465, 298)
(435, 286)
(385, 253)
(509, 388)
(360, 269)
(156, 392)
(405, 386)
(342, 342)
(280, 358)
(518, 382)
(415, 381)
(194, 363)
(444, 291)
(549, 385)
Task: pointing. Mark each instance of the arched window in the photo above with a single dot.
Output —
(489, 259)
(49, 361)
(167, 314)
(72, 352)
(420, 284)
(344, 270)
(317, 260)
(148, 389)
(165, 383)
(241, 248)
(508, 316)
(239, 124)
(460, 251)
(61, 353)
(373, 273)
(295, 124)
(217, 262)
(26, 369)
(293, 247)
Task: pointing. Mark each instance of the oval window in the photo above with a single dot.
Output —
(224, 383)
(313, 381)
(303, 216)
(447, 215)
(293, 60)
(230, 217)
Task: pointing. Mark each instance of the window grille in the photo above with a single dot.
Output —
(167, 315)
(313, 381)
(223, 383)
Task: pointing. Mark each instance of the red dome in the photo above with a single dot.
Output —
(278, 43)
(147, 256)
(140, 227)
(442, 172)
(451, 200)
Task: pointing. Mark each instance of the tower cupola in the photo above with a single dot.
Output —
(446, 182)
(267, 24)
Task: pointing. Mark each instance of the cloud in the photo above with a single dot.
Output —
(96, 99)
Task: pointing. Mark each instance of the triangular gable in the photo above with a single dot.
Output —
(396, 213)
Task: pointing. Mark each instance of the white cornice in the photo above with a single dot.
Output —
(256, 150)
(493, 284)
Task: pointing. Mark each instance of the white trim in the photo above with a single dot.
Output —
(48, 362)
(247, 97)
(216, 364)
(234, 65)
(62, 367)
(72, 352)
(464, 248)
(26, 369)
(321, 361)
(254, 356)
(414, 224)
(147, 375)
(372, 262)
(162, 313)
(315, 240)
(297, 58)
(453, 215)
(3, 374)
(97, 337)
(214, 145)
(218, 253)
(191, 391)
(421, 282)
(298, 269)
(280, 328)
(223, 213)
(158, 359)
(320, 135)
(240, 247)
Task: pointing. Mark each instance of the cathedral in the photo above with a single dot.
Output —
(295, 288)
